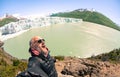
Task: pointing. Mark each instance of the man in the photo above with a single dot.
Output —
(40, 64)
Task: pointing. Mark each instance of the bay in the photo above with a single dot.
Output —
(71, 39)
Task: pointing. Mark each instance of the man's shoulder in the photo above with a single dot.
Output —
(35, 59)
(34, 62)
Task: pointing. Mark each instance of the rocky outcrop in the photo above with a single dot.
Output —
(75, 67)
(1, 43)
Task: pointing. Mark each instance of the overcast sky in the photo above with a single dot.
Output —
(110, 8)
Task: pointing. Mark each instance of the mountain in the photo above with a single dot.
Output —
(90, 16)
(8, 20)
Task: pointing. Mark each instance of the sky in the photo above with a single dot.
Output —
(109, 8)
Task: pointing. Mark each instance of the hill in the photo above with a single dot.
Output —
(9, 66)
(90, 16)
(7, 20)
(113, 56)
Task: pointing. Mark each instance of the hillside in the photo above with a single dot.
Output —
(9, 66)
(7, 20)
(113, 56)
(89, 16)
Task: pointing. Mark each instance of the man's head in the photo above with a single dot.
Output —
(35, 40)
(38, 44)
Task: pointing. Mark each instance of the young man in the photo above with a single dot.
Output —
(40, 64)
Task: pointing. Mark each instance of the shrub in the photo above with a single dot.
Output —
(59, 57)
(16, 62)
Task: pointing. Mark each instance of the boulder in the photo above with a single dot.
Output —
(1, 43)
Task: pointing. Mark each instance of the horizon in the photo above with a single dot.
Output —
(109, 8)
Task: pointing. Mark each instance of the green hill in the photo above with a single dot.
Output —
(89, 16)
(7, 20)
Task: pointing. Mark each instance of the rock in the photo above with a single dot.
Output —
(76, 67)
(1, 43)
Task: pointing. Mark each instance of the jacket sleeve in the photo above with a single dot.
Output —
(23, 74)
(35, 70)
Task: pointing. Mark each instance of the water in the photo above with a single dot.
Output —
(70, 39)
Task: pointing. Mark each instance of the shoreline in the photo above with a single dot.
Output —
(9, 36)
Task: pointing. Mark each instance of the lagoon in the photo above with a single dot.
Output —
(70, 39)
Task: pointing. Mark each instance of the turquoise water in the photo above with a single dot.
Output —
(70, 39)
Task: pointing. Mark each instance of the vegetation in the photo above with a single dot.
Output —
(9, 66)
(7, 20)
(113, 56)
(89, 16)
(60, 58)
(16, 62)
(10, 70)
